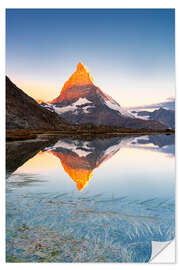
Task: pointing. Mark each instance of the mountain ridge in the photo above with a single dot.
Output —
(97, 107)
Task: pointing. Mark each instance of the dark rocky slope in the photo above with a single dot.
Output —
(23, 112)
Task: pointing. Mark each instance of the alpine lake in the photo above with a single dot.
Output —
(98, 200)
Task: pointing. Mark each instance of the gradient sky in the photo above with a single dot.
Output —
(129, 52)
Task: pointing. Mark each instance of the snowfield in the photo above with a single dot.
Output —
(145, 117)
(75, 106)
(118, 108)
(81, 101)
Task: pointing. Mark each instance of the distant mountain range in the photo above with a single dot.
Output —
(164, 116)
(80, 102)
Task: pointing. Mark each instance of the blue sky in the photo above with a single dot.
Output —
(129, 53)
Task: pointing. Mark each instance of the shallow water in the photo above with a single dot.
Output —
(90, 201)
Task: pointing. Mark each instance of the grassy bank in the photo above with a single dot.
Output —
(84, 131)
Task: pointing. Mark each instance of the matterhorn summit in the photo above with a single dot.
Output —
(80, 77)
(81, 102)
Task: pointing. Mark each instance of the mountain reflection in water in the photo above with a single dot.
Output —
(80, 158)
(112, 215)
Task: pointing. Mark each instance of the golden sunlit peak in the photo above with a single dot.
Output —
(81, 67)
(80, 77)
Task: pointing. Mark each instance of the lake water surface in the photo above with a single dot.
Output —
(102, 200)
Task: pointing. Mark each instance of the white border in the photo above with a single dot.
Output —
(72, 4)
